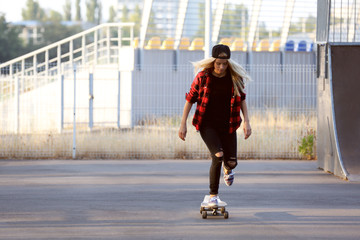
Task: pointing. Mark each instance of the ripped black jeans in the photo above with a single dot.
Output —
(218, 140)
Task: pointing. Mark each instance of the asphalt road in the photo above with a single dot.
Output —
(160, 199)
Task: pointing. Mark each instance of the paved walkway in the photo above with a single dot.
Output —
(160, 199)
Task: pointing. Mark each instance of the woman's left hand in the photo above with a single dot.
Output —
(247, 130)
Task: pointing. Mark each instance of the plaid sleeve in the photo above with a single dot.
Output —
(193, 94)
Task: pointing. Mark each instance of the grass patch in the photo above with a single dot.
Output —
(275, 135)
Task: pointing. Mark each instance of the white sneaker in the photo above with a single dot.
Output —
(213, 201)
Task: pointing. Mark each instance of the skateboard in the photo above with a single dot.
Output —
(218, 210)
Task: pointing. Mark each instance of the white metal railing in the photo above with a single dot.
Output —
(96, 45)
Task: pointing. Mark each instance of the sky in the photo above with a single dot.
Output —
(13, 8)
(272, 12)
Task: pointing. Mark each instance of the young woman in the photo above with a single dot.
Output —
(218, 90)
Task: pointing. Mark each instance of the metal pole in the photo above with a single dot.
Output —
(17, 104)
(108, 45)
(83, 50)
(91, 101)
(208, 29)
(95, 61)
(118, 103)
(74, 119)
(61, 82)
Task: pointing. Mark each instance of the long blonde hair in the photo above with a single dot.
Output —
(238, 74)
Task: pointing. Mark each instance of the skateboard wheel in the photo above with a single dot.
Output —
(202, 209)
(223, 210)
(226, 214)
(204, 214)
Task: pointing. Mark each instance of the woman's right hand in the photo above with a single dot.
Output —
(182, 132)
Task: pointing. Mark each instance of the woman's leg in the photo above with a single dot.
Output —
(213, 142)
(229, 142)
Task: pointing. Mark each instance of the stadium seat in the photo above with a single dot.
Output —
(184, 43)
(263, 45)
(311, 47)
(254, 46)
(153, 43)
(136, 42)
(226, 41)
(197, 44)
(275, 46)
(168, 44)
(238, 45)
(246, 48)
(302, 46)
(290, 46)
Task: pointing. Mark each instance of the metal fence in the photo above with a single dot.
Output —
(39, 122)
(338, 21)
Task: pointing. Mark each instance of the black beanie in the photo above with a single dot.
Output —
(221, 48)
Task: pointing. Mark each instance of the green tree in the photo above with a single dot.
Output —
(135, 17)
(112, 14)
(99, 13)
(93, 11)
(235, 21)
(55, 31)
(201, 31)
(153, 28)
(10, 43)
(53, 16)
(262, 31)
(306, 25)
(33, 11)
(310, 24)
(67, 10)
(125, 14)
(233, 24)
(78, 11)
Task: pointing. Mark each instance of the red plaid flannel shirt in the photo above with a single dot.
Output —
(199, 93)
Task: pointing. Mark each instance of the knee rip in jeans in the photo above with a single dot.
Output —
(230, 163)
(220, 153)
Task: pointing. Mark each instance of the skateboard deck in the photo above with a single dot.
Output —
(219, 210)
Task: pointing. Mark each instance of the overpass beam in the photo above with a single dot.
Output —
(208, 27)
(217, 20)
(289, 9)
(145, 21)
(254, 22)
(183, 7)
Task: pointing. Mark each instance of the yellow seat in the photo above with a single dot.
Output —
(226, 41)
(197, 44)
(184, 43)
(253, 47)
(238, 45)
(263, 45)
(153, 43)
(136, 42)
(275, 46)
(168, 44)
